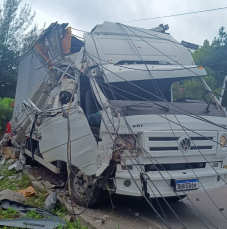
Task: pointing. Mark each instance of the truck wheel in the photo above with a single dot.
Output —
(83, 191)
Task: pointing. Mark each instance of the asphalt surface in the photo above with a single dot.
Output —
(205, 215)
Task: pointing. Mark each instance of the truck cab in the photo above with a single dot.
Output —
(136, 127)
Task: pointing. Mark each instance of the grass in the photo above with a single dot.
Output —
(72, 225)
(60, 210)
(9, 213)
(34, 215)
(22, 181)
(36, 201)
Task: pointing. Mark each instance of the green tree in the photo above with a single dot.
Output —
(17, 34)
(213, 56)
(6, 111)
(8, 71)
(16, 25)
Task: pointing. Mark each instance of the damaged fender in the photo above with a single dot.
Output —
(53, 143)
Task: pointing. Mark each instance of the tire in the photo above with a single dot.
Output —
(175, 198)
(83, 191)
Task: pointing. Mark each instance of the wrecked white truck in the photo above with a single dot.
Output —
(111, 107)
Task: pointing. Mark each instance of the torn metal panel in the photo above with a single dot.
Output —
(38, 97)
(53, 143)
(105, 150)
(23, 208)
(46, 223)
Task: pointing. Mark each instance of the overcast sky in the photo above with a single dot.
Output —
(85, 14)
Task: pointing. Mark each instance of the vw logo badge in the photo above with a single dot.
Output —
(184, 143)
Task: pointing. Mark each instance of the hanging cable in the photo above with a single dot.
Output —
(191, 114)
(185, 133)
(113, 126)
(176, 15)
(166, 181)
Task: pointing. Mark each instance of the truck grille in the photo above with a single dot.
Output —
(173, 167)
(165, 143)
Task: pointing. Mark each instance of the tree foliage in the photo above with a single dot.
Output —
(213, 56)
(17, 34)
(17, 30)
(6, 111)
(8, 71)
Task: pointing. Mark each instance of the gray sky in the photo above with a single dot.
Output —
(85, 14)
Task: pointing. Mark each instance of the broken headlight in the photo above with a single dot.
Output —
(125, 142)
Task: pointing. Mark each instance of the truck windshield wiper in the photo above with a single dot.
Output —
(165, 108)
(208, 105)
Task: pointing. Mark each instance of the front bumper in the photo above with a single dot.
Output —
(159, 183)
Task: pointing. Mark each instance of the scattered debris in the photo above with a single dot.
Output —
(27, 167)
(197, 199)
(10, 161)
(7, 151)
(39, 178)
(30, 191)
(3, 162)
(12, 177)
(17, 165)
(136, 214)
(47, 194)
(23, 208)
(11, 195)
(37, 185)
(48, 185)
(51, 201)
(105, 217)
(22, 159)
(99, 221)
(221, 209)
(46, 223)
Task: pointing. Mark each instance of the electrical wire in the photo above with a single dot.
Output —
(191, 114)
(155, 70)
(202, 185)
(115, 131)
(169, 120)
(150, 156)
(168, 184)
(80, 30)
(174, 42)
(178, 119)
(165, 55)
(130, 172)
(175, 135)
(176, 15)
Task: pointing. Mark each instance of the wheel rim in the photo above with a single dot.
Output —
(81, 184)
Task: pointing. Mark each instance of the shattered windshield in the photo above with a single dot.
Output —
(171, 89)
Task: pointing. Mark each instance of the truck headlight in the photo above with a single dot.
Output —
(125, 142)
(222, 141)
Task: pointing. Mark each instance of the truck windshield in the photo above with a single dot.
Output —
(190, 90)
(173, 89)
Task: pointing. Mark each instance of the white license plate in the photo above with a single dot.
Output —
(182, 185)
